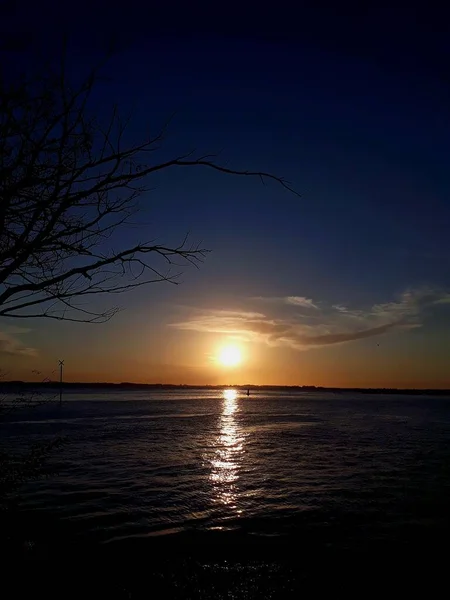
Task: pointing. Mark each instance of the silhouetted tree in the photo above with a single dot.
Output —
(66, 185)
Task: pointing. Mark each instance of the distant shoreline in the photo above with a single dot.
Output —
(17, 385)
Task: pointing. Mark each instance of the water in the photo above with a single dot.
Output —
(341, 468)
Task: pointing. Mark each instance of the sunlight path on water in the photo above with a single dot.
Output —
(225, 464)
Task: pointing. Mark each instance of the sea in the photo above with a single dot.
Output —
(256, 493)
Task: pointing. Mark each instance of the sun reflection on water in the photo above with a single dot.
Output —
(228, 454)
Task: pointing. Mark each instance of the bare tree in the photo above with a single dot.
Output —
(67, 183)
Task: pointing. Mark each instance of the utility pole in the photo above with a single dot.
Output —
(61, 365)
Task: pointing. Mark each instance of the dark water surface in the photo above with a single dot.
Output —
(338, 470)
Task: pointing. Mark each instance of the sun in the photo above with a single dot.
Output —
(230, 356)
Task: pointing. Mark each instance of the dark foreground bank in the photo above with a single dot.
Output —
(41, 557)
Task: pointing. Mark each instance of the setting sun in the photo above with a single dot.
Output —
(230, 356)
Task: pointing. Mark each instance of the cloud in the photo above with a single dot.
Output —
(444, 299)
(12, 346)
(327, 325)
(340, 308)
(301, 301)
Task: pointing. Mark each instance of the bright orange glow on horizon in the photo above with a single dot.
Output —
(194, 359)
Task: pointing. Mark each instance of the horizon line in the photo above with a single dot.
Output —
(220, 386)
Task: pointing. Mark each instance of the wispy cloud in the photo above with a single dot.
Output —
(324, 325)
(444, 299)
(298, 301)
(340, 308)
(301, 301)
(11, 345)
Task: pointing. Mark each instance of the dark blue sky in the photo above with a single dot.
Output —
(353, 109)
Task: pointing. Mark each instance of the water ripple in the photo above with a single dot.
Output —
(153, 466)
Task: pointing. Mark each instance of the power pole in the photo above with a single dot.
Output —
(61, 365)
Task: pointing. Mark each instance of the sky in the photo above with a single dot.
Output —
(347, 285)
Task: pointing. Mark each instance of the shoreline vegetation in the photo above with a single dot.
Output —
(18, 385)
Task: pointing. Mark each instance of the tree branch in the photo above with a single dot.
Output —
(67, 184)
